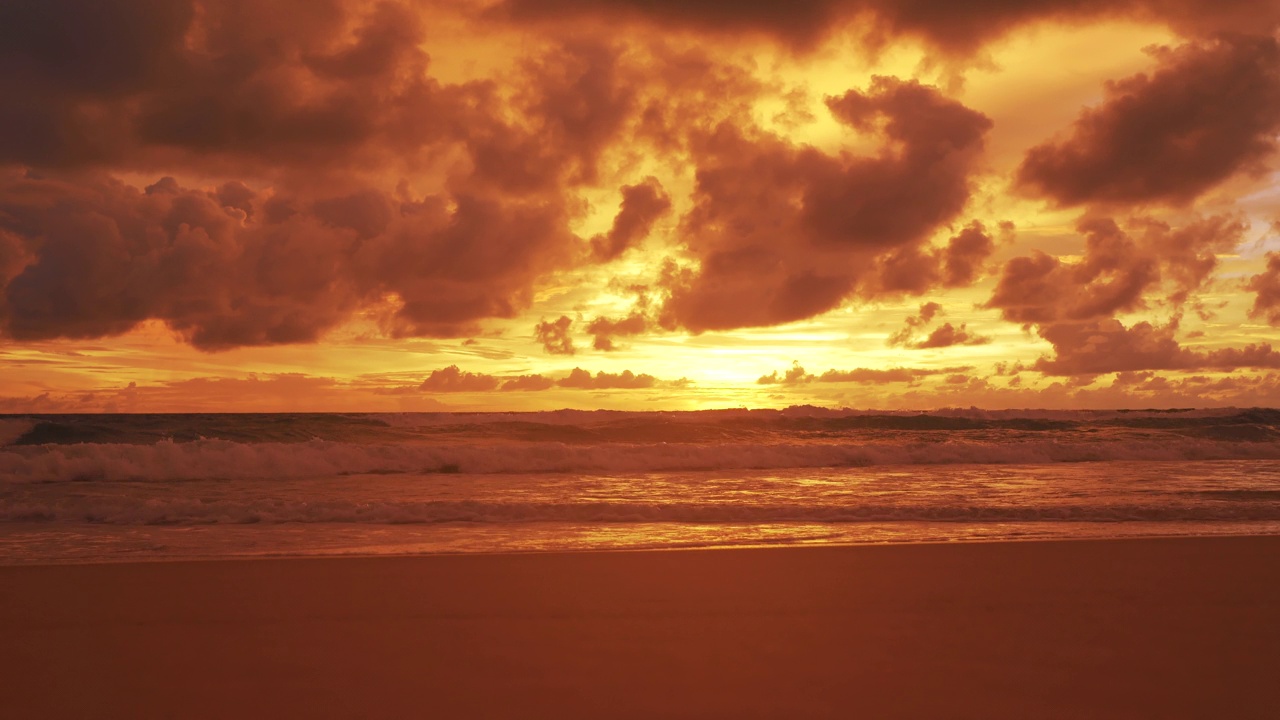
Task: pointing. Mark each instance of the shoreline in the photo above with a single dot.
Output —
(1146, 627)
(781, 545)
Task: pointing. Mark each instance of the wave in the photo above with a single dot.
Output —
(593, 427)
(222, 459)
(13, 430)
(121, 511)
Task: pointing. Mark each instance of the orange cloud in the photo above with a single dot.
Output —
(605, 330)
(242, 177)
(642, 204)
(555, 336)
(626, 379)
(798, 376)
(1266, 285)
(958, 29)
(1108, 346)
(1117, 270)
(452, 379)
(785, 233)
(1209, 110)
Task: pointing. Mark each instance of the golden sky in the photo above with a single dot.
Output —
(232, 205)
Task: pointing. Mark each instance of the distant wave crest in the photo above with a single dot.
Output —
(191, 511)
(222, 459)
(584, 427)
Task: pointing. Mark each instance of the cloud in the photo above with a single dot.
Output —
(1117, 271)
(626, 379)
(305, 114)
(1073, 304)
(605, 329)
(555, 336)
(954, 29)
(1211, 109)
(1266, 285)
(948, 335)
(887, 375)
(102, 256)
(1108, 346)
(797, 375)
(282, 392)
(308, 114)
(208, 76)
(642, 205)
(298, 89)
(801, 23)
(928, 311)
(962, 260)
(528, 383)
(451, 379)
(327, 171)
(784, 232)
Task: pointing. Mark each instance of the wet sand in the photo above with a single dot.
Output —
(1160, 628)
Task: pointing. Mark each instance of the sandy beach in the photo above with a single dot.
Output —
(1159, 628)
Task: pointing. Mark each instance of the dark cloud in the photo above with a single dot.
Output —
(555, 336)
(785, 232)
(1266, 285)
(1209, 110)
(302, 115)
(1117, 271)
(801, 23)
(64, 63)
(642, 205)
(109, 79)
(299, 99)
(1107, 346)
(101, 257)
(954, 28)
(109, 46)
(308, 90)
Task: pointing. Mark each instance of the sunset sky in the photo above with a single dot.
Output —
(225, 205)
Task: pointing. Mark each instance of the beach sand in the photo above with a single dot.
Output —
(1156, 628)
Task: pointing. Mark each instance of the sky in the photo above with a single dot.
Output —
(420, 205)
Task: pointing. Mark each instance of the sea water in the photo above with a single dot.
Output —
(101, 488)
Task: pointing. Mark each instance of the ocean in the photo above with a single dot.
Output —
(106, 488)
